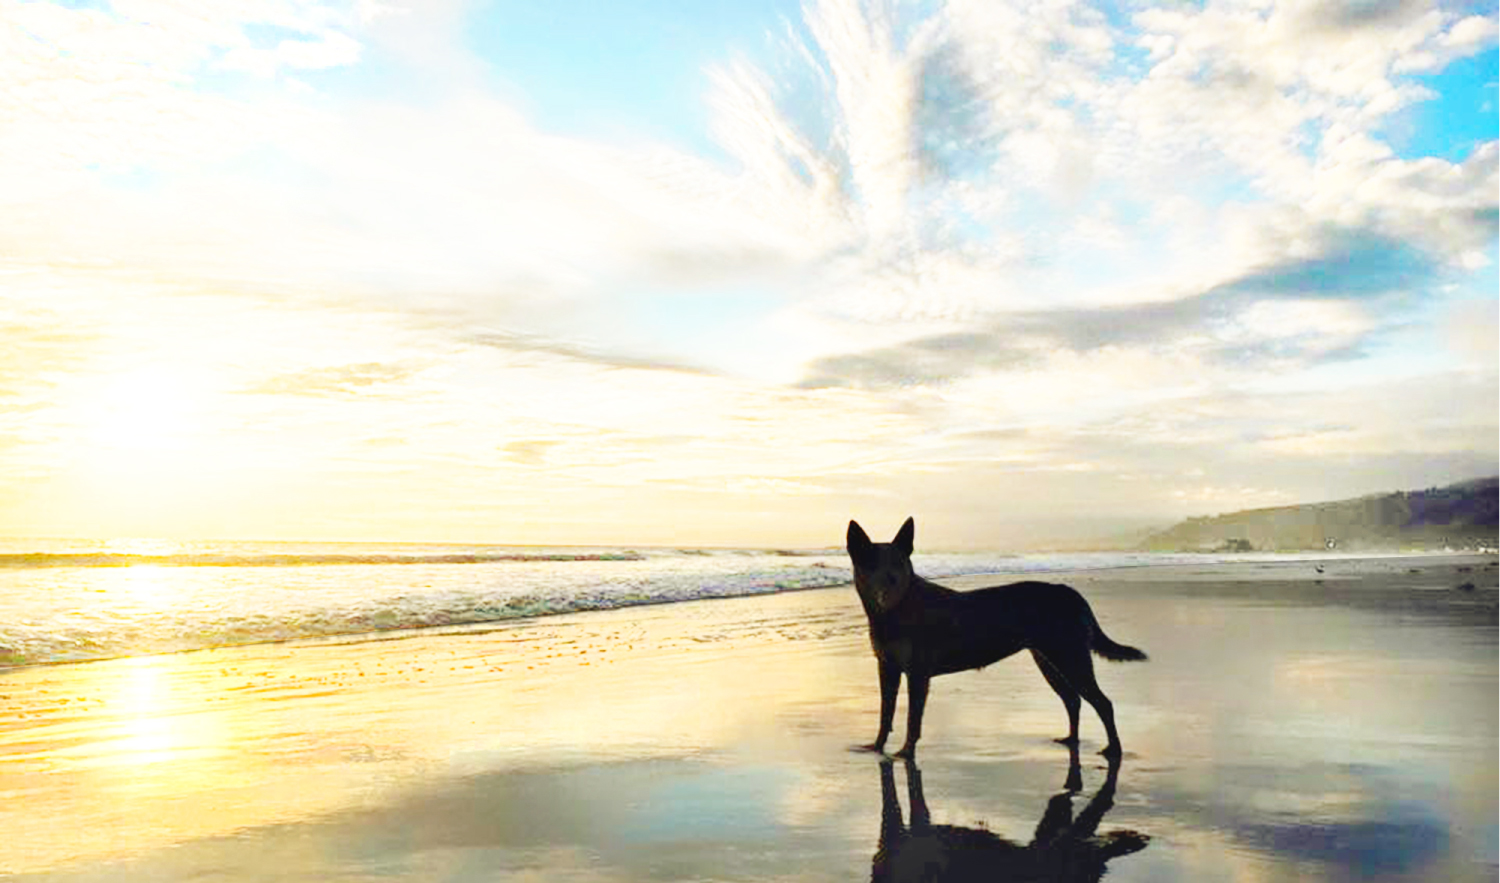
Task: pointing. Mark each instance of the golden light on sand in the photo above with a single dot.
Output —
(146, 733)
(148, 752)
(158, 720)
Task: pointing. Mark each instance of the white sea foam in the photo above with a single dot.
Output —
(65, 601)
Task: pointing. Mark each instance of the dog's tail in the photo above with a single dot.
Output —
(1114, 652)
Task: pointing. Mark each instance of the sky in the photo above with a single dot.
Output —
(732, 274)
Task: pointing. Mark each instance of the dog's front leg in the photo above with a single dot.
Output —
(916, 701)
(890, 685)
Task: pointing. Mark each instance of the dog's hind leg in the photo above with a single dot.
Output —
(1065, 692)
(1106, 710)
(1077, 667)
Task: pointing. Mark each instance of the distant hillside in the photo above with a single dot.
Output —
(1459, 516)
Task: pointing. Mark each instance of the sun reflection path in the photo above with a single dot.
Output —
(125, 756)
(150, 730)
(111, 758)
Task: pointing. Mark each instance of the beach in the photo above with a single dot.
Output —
(1320, 720)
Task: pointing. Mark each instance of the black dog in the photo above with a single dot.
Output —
(922, 630)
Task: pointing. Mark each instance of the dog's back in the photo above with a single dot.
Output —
(956, 631)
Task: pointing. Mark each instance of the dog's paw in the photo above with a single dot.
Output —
(872, 748)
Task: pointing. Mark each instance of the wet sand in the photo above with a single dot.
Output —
(1291, 725)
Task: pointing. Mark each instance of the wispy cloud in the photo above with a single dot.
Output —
(513, 342)
(1303, 308)
(337, 381)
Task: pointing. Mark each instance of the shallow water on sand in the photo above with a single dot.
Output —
(1284, 729)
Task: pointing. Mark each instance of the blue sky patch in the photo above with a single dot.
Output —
(1462, 115)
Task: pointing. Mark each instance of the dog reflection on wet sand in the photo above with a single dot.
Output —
(1064, 849)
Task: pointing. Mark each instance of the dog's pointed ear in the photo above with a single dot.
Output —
(906, 537)
(858, 542)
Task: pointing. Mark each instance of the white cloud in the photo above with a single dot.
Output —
(986, 219)
(331, 50)
(1310, 329)
(1472, 329)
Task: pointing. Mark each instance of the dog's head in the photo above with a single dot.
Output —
(882, 571)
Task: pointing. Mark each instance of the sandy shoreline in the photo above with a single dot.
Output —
(1293, 724)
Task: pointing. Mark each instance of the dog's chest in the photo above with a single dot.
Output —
(894, 651)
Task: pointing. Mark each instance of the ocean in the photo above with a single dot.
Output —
(73, 600)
